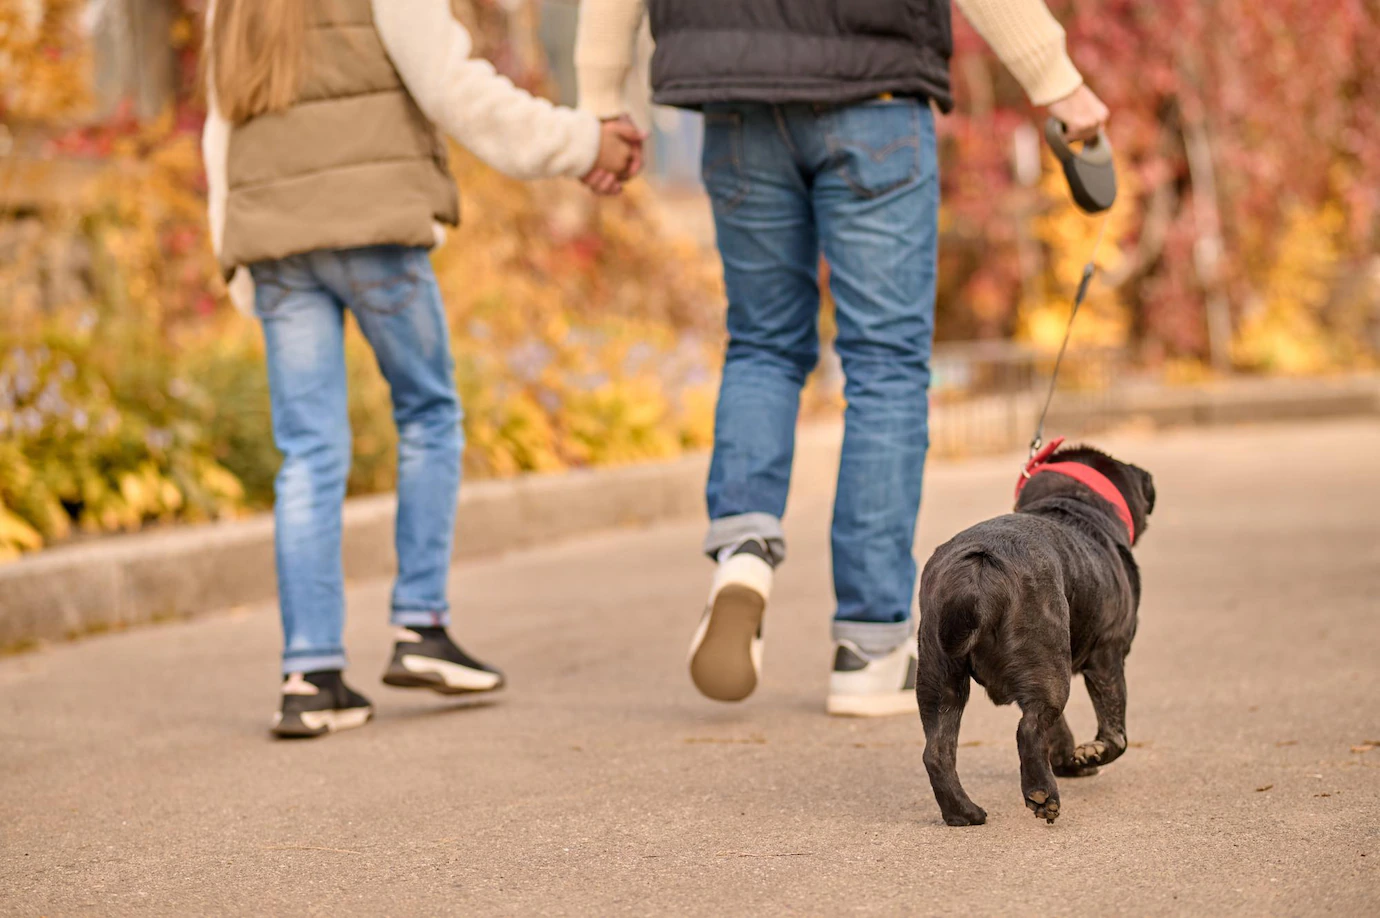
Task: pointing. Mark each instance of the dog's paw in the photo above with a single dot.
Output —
(1090, 755)
(971, 815)
(1072, 769)
(1043, 804)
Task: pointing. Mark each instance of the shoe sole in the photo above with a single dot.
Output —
(318, 723)
(722, 665)
(889, 704)
(440, 676)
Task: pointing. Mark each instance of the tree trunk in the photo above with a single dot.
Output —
(136, 63)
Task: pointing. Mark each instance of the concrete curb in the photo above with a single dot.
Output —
(184, 571)
(118, 582)
(1005, 422)
(1252, 401)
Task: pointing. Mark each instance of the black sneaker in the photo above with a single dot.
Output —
(317, 703)
(428, 658)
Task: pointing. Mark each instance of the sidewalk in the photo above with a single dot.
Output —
(137, 778)
(180, 572)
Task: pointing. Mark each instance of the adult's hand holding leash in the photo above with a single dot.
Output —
(1080, 118)
(1081, 113)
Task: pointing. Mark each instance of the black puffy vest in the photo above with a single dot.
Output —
(828, 51)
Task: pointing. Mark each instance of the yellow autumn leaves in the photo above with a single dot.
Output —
(582, 337)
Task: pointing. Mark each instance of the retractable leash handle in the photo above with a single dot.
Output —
(1090, 172)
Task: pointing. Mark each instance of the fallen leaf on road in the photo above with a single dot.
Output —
(1322, 795)
(1367, 746)
(1141, 745)
(1261, 790)
(1287, 742)
(970, 744)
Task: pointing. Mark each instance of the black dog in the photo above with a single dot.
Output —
(1020, 603)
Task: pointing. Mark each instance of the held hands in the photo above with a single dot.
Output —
(1082, 114)
(620, 156)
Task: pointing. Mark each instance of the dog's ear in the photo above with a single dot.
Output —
(1147, 486)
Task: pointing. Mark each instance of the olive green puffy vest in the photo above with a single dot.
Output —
(353, 162)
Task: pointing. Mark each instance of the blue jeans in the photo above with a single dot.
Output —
(860, 184)
(302, 302)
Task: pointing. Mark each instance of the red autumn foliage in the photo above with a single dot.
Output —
(1281, 99)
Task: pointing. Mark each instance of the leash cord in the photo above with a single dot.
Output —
(1088, 271)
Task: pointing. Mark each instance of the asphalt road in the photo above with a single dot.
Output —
(137, 777)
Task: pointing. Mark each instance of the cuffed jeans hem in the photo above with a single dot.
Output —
(730, 530)
(875, 639)
(422, 618)
(313, 662)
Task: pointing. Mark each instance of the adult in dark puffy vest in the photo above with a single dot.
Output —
(819, 138)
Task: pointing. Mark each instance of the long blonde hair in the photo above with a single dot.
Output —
(257, 56)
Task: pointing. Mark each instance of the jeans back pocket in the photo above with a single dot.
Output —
(274, 281)
(383, 278)
(876, 146)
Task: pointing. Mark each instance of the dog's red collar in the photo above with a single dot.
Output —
(1100, 484)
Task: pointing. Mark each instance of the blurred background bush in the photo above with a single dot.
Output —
(590, 333)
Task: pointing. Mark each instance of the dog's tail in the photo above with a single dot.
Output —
(975, 587)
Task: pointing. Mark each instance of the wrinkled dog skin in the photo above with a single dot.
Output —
(1019, 604)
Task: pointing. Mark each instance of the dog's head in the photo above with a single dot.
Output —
(1136, 485)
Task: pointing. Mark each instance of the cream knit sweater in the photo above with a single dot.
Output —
(1022, 33)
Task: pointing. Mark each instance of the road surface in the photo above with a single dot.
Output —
(137, 777)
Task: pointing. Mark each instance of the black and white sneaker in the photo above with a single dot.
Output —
(726, 651)
(863, 686)
(428, 658)
(318, 703)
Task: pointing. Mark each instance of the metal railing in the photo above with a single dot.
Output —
(985, 396)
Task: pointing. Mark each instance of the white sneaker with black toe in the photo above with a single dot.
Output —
(726, 653)
(864, 686)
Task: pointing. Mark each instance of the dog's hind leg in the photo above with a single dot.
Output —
(1061, 747)
(942, 697)
(1105, 677)
(1038, 786)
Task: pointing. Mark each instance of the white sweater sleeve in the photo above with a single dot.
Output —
(215, 152)
(507, 127)
(1030, 42)
(604, 44)
(215, 145)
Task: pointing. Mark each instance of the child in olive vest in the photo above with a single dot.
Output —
(328, 183)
